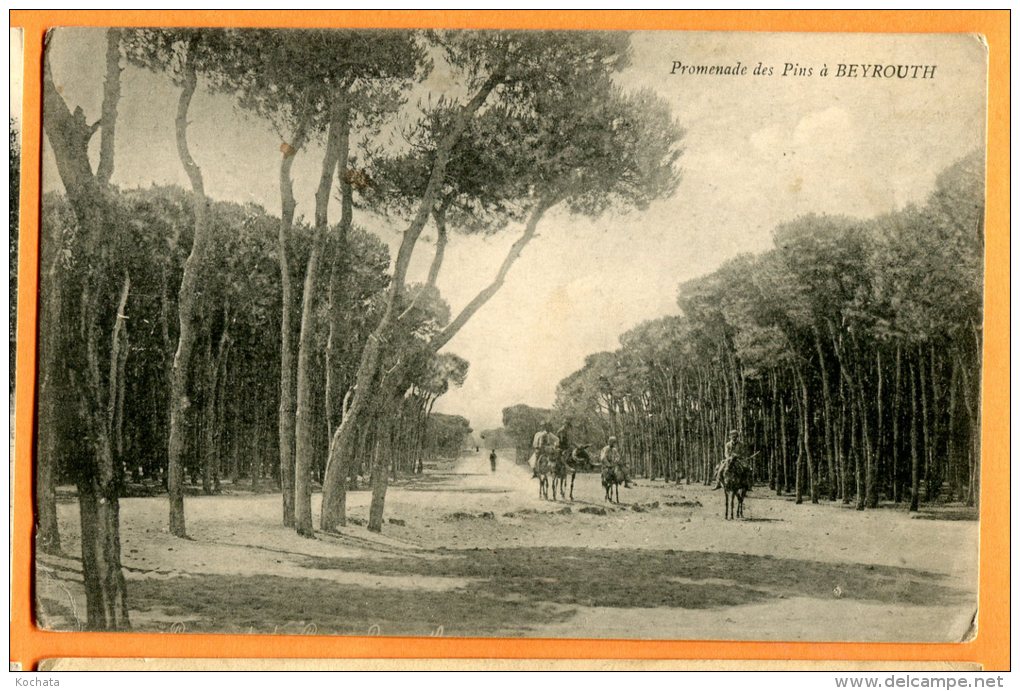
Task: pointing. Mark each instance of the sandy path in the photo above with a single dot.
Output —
(810, 572)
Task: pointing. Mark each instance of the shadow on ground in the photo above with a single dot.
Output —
(513, 590)
(651, 578)
(266, 604)
(445, 482)
(948, 514)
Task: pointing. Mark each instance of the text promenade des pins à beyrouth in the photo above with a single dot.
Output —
(794, 69)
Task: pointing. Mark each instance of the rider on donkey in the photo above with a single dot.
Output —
(733, 452)
(611, 458)
(544, 445)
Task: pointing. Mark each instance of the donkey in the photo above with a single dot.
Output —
(559, 472)
(610, 479)
(544, 467)
(736, 482)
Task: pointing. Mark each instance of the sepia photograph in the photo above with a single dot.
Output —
(650, 335)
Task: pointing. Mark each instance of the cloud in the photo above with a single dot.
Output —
(830, 130)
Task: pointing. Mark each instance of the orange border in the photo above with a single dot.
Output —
(991, 646)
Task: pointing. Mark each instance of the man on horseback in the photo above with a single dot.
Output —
(733, 453)
(611, 458)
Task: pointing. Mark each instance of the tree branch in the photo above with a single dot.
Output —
(111, 96)
(444, 336)
(439, 215)
(436, 178)
(69, 136)
(194, 173)
(437, 260)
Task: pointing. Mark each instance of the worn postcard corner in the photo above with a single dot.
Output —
(602, 335)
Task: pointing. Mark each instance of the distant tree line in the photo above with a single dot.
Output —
(849, 356)
(233, 432)
(520, 423)
(496, 438)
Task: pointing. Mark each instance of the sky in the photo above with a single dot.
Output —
(758, 151)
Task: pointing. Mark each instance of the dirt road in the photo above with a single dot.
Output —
(468, 552)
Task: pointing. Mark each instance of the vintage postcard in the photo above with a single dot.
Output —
(357, 331)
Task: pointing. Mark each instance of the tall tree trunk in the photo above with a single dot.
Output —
(100, 478)
(971, 401)
(784, 485)
(828, 415)
(871, 498)
(926, 441)
(772, 440)
(378, 481)
(219, 411)
(336, 154)
(120, 392)
(187, 306)
(211, 404)
(334, 413)
(286, 417)
(235, 442)
(50, 384)
(372, 352)
(801, 445)
(951, 459)
(951, 448)
(105, 587)
(855, 450)
(208, 401)
(845, 452)
(111, 99)
(915, 473)
(897, 396)
(255, 454)
(97, 475)
(939, 422)
(812, 472)
(975, 422)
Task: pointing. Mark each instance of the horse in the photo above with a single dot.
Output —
(736, 482)
(610, 479)
(579, 457)
(560, 469)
